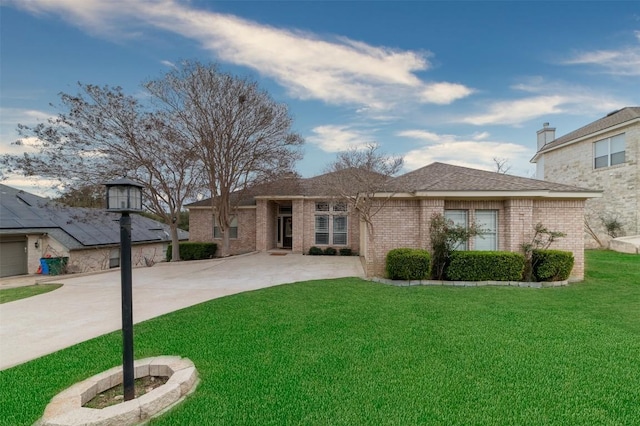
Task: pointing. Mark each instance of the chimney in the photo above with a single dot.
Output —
(545, 135)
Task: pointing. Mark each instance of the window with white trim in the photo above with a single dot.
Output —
(608, 152)
(114, 258)
(232, 230)
(487, 220)
(322, 229)
(331, 224)
(460, 218)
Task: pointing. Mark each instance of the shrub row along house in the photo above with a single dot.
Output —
(297, 214)
(33, 227)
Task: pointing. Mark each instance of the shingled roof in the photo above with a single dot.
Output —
(23, 212)
(440, 177)
(610, 120)
(293, 186)
(435, 178)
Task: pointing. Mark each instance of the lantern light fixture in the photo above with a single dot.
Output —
(123, 196)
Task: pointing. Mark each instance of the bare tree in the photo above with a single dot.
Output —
(502, 165)
(242, 136)
(103, 134)
(85, 196)
(358, 177)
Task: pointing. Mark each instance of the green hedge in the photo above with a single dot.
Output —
(485, 266)
(408, 264)
(315, 251)
(552, 265)
(330, 251)
(194, 251)
(346, 252)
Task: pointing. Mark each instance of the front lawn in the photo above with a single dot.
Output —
(10, 294)
(349, 351)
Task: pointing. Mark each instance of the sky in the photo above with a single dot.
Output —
(455, 82)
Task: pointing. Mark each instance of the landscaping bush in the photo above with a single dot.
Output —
(408, 264)
(315, 251)
(330, 251)
(552, 265)
(194, 251)
(346, 252)
(485, 266)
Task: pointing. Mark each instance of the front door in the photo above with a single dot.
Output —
(287, 228)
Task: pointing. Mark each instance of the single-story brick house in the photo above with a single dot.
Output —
(297, 214)
(33, 227)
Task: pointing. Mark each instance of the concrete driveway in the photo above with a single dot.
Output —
(89, 306)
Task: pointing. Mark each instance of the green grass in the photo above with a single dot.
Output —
(10, 294)
(347, 351)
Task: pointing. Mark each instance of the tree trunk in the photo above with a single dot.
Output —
(175, 243)
(224, 250)
(372, 245)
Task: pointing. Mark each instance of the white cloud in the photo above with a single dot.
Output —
(337, 71)
(168, 63)
(545, 98)
(425, 135)
(518, 111)
(11, 117)
(480, 136)
(622, 62)
(332, 138)
(34, 185)
(460, 151)
(444, 93)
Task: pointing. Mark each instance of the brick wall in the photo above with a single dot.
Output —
(405, 223)
(573, 165)
(309, 231)
(564, 216)
(200, 225)
(201, 229)
(397, 224)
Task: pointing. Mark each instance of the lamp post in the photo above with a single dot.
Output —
(125, 196)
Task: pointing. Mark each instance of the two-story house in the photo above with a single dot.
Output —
(603, 155)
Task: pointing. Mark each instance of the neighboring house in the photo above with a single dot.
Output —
(33, 227)
(298, 214)
(603, 155)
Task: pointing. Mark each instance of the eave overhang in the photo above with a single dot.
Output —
(494, 195)
(537, 155)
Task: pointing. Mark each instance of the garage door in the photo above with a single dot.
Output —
(13, 256)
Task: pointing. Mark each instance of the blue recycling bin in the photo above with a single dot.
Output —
(44, 266)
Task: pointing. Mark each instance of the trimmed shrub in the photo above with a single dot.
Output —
(194, 251)
(315, 251)
(346, 252)
(485, 266)
(408, 264)
(552, 265)
(330, 251)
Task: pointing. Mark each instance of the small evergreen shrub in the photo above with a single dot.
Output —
(330, 251)
(485, 266)
(315, 251)
(552, 265)
(194, 251)
(346, 252)
(408, 264)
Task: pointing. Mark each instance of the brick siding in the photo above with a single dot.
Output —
(405, 223)
(201, 229)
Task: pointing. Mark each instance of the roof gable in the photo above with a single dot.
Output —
(293, 186)
(440, 177)
(610, 120)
